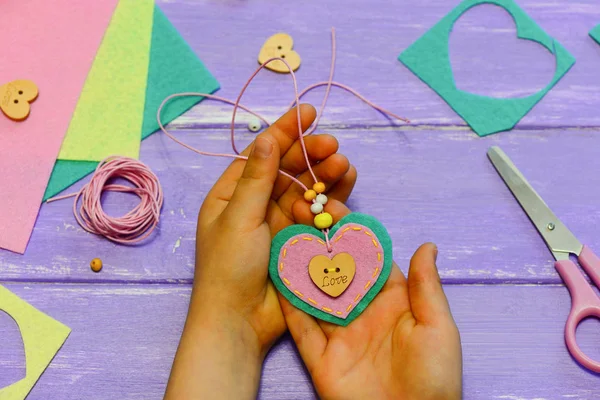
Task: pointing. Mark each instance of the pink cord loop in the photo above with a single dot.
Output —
(137, 224)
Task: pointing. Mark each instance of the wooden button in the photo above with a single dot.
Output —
(279, 45)
(332, 276)
(15, 97)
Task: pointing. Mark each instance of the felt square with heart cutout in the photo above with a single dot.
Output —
(359, 235)
(429, 59)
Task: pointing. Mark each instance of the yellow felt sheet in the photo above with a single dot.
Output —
(110, 111)
(42, 338)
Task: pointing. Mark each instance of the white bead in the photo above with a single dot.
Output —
(254, 125)
(316, 208)
(321, 199)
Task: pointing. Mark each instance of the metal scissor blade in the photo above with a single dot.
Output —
(557, 236)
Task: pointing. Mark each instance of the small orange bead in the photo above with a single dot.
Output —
(96, 265)
(310, 195)
(319, 187)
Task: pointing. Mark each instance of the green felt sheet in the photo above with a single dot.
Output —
(595, 33)
(174, 68)
(428, 58)
(362, 219)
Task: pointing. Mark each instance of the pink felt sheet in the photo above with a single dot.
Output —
(358, 241)
(52, 43)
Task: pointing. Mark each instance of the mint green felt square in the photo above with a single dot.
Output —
(362, 219)
(173, 68)
(595, 33)
(428, 58)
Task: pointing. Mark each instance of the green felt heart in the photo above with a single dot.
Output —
(356, 228)
(428, 58)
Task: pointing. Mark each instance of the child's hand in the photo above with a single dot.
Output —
(405, 345)
(235, 315)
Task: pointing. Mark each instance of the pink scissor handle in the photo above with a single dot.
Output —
(584, 301)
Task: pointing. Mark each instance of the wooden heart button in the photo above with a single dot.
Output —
(332, 276)
(279, 45)
(15, 97)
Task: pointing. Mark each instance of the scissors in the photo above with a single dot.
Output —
(584, 301)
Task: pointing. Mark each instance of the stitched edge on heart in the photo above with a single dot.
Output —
(359, 288)
(355, 218)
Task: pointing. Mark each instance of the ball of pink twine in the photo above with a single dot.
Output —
(137, 224)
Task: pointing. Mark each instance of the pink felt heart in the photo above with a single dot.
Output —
(358, 241)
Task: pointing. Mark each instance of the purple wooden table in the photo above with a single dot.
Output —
(427, 181)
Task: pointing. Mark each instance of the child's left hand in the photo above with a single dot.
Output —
(234, 314)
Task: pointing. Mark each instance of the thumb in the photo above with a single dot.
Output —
(251, 196)
(427, 299)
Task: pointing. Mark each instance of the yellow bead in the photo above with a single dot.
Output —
(310, 195)
(96, 265)
(323, 221)
(319, 187)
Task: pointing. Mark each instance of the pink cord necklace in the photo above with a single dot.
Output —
(323, 220)
(138, 224)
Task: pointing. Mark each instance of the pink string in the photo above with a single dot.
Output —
(237, 105)
(137, 224)
(327, 242)
(354, 92)
(329, 82)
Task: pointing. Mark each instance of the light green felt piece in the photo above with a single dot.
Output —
(109, 114)
(42, 337)
(428, 59)
(362, 219)
(174, 68)
(595, 33)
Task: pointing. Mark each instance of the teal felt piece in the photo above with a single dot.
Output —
(595, 34)
(428, 59)
(360, 219)
(173, 68)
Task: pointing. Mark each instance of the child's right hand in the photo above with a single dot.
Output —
(405, 345)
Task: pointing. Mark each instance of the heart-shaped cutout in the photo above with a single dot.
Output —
(279, 45)
(15, 98)
(428, 58)
(12, 351)
(332, 276)
(487, 58)
(358, 236)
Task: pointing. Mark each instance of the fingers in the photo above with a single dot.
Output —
(343, 188)
(427, 299)
(318, 147)
(306, 332)
(285, 129)
(250, 199)
(284, 133)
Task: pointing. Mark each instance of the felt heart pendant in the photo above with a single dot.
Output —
(279, 45)
(15, 97)
(332, 276)
(299, 258)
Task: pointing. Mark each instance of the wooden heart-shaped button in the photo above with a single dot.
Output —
(15, 97)
(332, 276)
(279, 45)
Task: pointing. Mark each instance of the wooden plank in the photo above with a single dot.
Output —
(124, 338)
(485, 54)
(424, 185)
